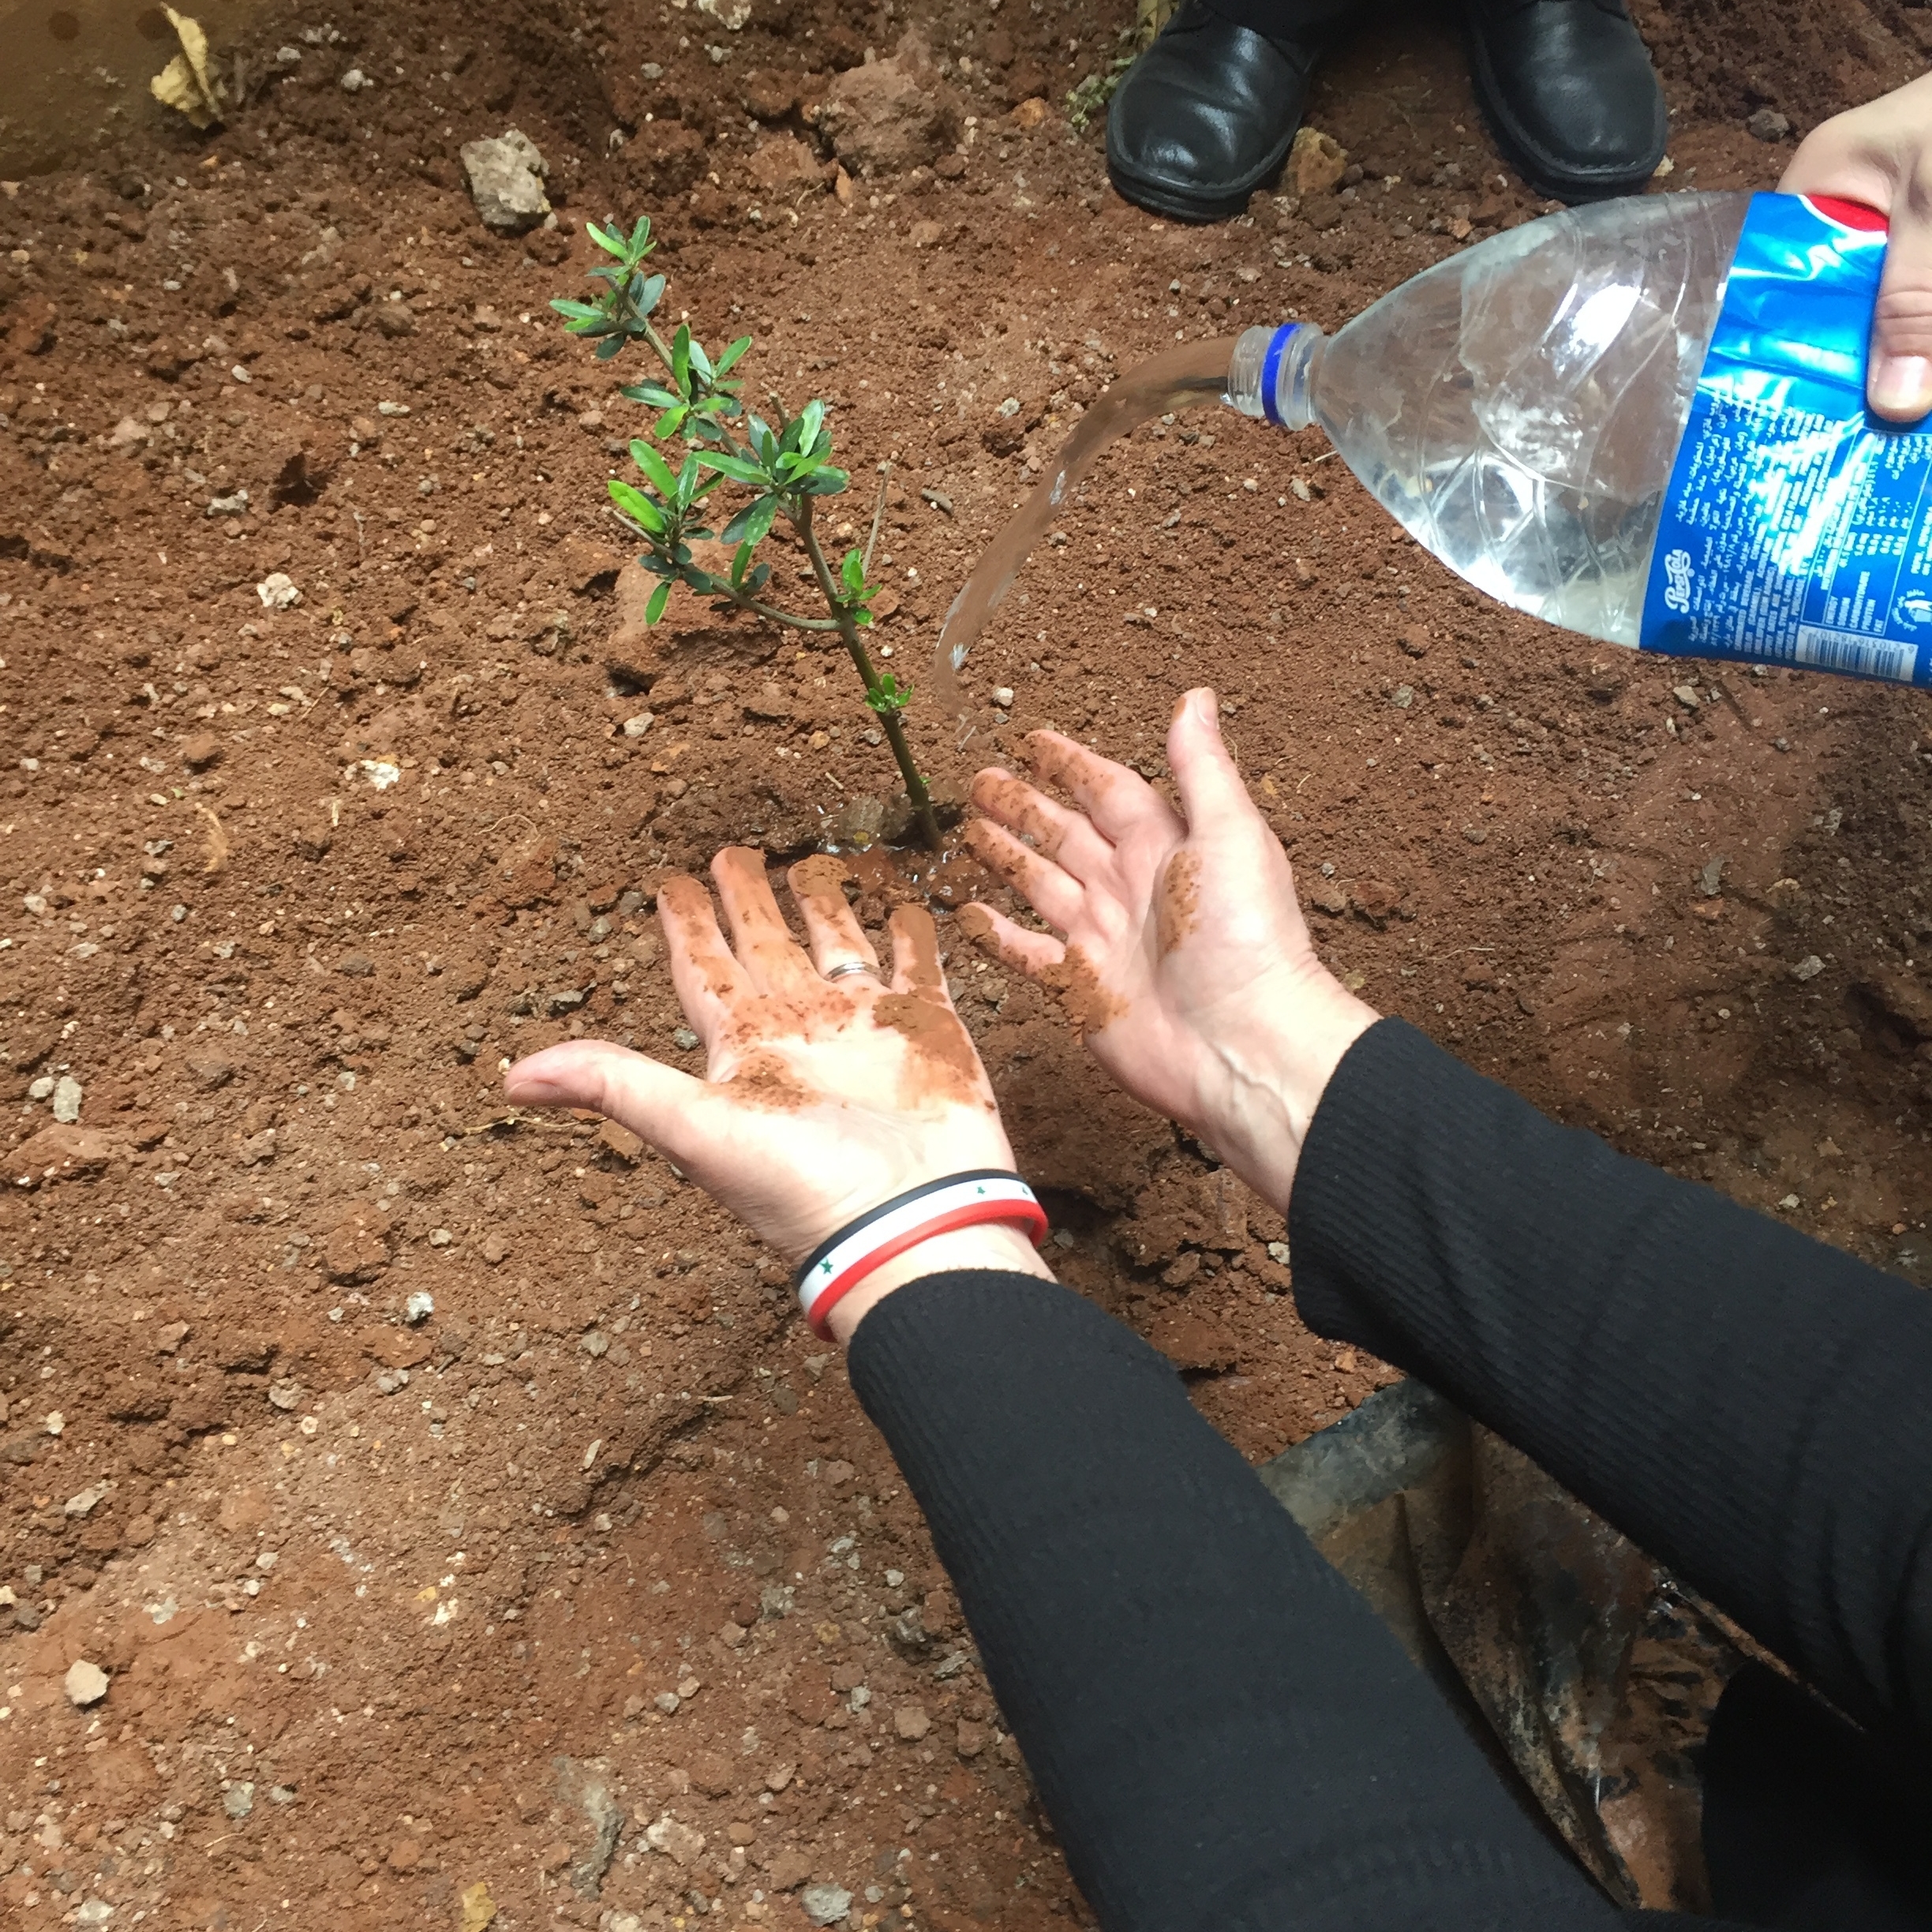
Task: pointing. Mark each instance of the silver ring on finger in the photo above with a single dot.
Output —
(846, 967)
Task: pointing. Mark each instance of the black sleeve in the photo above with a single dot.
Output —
(1751, 1407)
(1223, 1732)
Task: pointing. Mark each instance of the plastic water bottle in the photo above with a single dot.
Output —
(1643, 420)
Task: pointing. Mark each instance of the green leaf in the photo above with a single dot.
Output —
(758, 579)
(729, 359)
(701, 362)
(741, 561)
(659, 598)
(752, 522)
(578, 311)
(641, 244)
(655, 468)
(739, 469)
(613, 243)
(646, 299)
(681, 360)
(608, 347)
(654, 395)
(637, 506)
(824, 483)
(670, 422)
(688, 476)
(852, 572)
(888, 697)
(809, 419)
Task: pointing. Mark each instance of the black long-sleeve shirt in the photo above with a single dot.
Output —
(1223, 1732)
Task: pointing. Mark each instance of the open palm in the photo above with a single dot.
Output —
(822, 1097)
(1186, 961)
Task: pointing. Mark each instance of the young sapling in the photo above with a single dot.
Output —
(784, 465)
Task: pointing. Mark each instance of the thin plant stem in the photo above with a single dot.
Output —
(878, 510)
(916, 794)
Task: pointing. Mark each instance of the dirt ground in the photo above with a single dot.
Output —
(592, 1588)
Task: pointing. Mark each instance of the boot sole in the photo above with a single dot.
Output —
(1160, 199)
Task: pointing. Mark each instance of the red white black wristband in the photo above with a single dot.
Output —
(836, 1267)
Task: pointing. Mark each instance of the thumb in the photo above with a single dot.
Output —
(1212, 795)
(660, 1104)
(1899, 381)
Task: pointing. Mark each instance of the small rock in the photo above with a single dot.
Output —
(684, 1039)
(621, 1141)
(285, 1396)
(1328, 896)
(1414, 643)
(789, 1869)
(85, 1684)
(1768, 125)
(679, 1842)
(1316, 162)
(495, 1249)
(911, 1721)
(1809, 967)
(277, 591)
(1685, 696)
(1404, 698)
(783, 162)
(357, 1249)
(972, 1739)
(1477, 835)
(506, 182)
(890, 115)
(355, 966)
(1002, 696)
(209, 1068)
(238, 1800)
(67, 1100)
(421, 1306)
(200, 750)
(594, 1343)
(391, 1381)
(1711, 876)
(636, 727)
(85, 1502)
(41, 1089)
(236, 505)
(355, 81)
(824, 1904)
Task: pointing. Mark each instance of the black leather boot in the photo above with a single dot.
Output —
(1569, 93)
(1206, 115)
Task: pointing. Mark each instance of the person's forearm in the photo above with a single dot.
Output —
(1223, 1732)
(1747, 1405)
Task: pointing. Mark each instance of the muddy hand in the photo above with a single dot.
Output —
(1186, 961)
(1881, 154)
(827, 1088)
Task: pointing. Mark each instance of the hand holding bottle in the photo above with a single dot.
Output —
(1881, 154)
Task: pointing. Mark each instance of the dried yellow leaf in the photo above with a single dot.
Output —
(186, 83)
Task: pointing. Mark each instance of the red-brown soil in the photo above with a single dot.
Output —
(620, 1553)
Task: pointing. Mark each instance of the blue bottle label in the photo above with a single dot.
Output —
(1797, 528)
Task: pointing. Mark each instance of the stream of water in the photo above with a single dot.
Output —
(1182, 377)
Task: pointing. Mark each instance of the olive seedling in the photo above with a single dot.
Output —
(783, 466)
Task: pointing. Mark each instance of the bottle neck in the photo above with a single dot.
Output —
(1271, 373)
